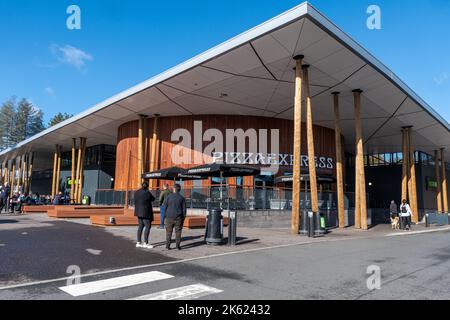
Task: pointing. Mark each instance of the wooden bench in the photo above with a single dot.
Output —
(68, 212)
(127, 219)
(27, 209)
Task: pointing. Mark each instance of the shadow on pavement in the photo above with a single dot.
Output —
(8, 221)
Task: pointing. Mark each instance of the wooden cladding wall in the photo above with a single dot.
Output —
(128, 141)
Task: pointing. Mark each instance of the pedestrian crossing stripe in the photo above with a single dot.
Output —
(194, 291)
(82, 289)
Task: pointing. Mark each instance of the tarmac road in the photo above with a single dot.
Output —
(44, 250)
(413, 266)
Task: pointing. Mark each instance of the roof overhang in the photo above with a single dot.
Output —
(252, 74)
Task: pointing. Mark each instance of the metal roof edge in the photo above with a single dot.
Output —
(373, 61)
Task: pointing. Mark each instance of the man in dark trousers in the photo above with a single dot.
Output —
(3, 200)
(143, 209)
(175, 212)
(162, 198)
(5, 195)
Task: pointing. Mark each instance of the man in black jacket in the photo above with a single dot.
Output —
(143, 209)
(5, 196)
(175, 212)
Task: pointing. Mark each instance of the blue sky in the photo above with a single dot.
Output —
(122, 43)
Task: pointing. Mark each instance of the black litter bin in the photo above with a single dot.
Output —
(214, 227)
(304, 223)
(320, 224)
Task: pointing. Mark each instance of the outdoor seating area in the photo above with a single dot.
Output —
(108, 216)
(128, 219)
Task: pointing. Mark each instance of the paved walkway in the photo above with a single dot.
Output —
(248, 238)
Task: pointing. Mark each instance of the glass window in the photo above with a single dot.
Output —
(388, 158)
(109, 155)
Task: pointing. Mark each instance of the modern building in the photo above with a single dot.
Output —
(298, 86)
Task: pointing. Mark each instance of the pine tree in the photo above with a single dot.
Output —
(28, 122)
(7, 123)
(59, 117)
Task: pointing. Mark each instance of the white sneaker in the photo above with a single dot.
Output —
(148, 246)
(139, 245)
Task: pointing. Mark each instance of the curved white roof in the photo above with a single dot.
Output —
(252, 74)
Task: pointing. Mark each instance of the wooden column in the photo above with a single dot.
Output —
(58, 171)
(127, 187)
(154, 148)
(140, 159)
(3, 173)
(81, 173)
(55, 165)
(310, 142)
(444, 183)
(7, 173)
(360, 185)
(412, 182)
(296, 184)
(72, 172)
(24, 172)
(30, 171)
(339, 160)
(438, 181)
(405, 156)
(77, 174)
(13, 177)
(19, 173)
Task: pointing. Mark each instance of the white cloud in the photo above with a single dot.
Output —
(50, 91)
(441, 79)
(71, 55)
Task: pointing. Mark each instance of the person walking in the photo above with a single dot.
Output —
(405, 215)
(3, 199)
(393, 210)
(143, 210)
(175, 212)
(162, 198)
(58, 200)
(7, 190)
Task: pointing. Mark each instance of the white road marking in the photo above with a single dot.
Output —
(94, 252)
(194, 291)
(82, 289)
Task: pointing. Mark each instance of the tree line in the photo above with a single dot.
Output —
(20, 120)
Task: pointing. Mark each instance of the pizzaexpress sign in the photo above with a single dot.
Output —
(270, 159)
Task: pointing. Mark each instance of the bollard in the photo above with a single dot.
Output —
(232, 228)
(427, 220)
(311, 224)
